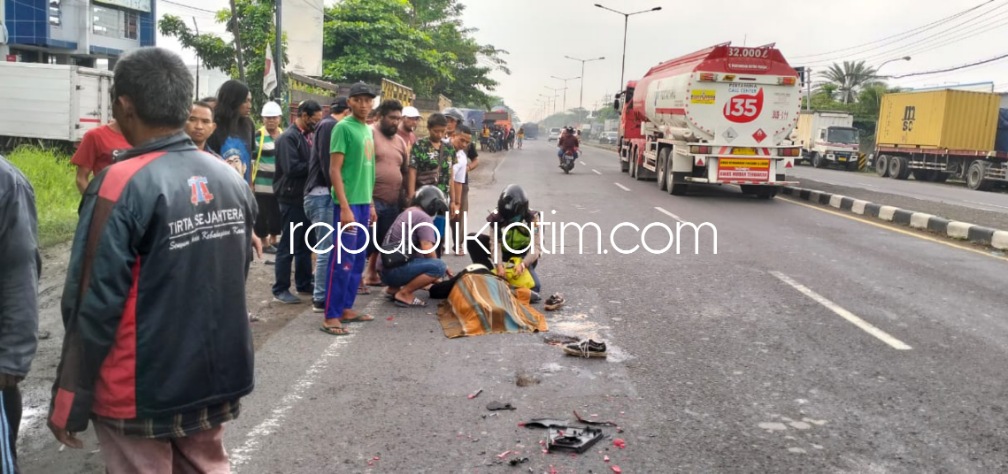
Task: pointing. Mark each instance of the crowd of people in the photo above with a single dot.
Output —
(178, 199)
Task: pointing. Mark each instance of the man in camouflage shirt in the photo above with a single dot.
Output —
(431, 162)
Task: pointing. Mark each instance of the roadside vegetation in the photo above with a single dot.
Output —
(56, 197)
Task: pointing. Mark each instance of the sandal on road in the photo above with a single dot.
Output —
(417, 303)
(334, 330)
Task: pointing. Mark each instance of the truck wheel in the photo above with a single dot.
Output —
(899, 167)
(633, 163)
(640, 173)
(818, 161)
(882, 165)
(661, 171)
(975, 176)
(677, 183)
(767, 192)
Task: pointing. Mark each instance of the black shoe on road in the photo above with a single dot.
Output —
(586, 349)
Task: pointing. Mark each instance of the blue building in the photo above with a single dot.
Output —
(76, 32)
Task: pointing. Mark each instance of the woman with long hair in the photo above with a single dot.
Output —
(235, 131)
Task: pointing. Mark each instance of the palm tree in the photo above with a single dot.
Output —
(849, 78)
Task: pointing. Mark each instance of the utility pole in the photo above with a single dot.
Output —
(278, 52)
(583, 61)
(238, 45)
(626, 20)
(565, 89)
(196, 27)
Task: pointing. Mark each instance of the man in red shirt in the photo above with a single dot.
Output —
(568, 142)
(97, 150)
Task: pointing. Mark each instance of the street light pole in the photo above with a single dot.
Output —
(565, 88)
(878, 97)
(583, 61)
(626, 20)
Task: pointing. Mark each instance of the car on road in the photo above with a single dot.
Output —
(554, 134)
(608, 138)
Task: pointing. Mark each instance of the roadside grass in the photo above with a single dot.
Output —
(56, 196)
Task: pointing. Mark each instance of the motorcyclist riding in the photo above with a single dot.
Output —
(568, 143)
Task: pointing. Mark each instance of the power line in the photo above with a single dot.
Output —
(947, 37)
(921, 28)
(190, 7)
(864, 54)
(985, 61)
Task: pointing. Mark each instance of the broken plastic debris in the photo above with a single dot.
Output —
(475, 394)
(605, 458)
(619, 443)
(544, 423)
(517, 461)
(504, 454)
(575, 440)
(616, 469)
(589, 422)
(390, 318)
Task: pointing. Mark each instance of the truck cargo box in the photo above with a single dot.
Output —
(945, 119)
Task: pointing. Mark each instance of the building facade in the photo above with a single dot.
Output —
(78, 32)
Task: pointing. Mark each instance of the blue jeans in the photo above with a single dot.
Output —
(300, 258)
(441, 224)
(401, 276)
(387, 214)
(320, 210)
(346, 268)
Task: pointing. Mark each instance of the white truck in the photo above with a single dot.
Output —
(52, 101)
(720, 115)
(828, 138)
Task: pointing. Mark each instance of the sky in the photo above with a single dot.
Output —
(538, 34)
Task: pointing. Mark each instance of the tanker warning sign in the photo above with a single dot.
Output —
(705, 97)
(749, 169)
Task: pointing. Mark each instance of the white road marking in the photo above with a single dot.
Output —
(254, 438)
(622, 187)
(667, 213)
(853, 319)
(596, 172)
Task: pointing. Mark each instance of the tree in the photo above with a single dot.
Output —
(256, 30)
(420, 43)
(849, 78)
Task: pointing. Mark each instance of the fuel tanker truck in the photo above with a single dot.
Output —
(720, 115)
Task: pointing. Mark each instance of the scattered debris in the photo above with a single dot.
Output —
(524, 380)
(475, 394)
(605, 458)
(494, 406)
(594, 423)
(559, 340)
(517, 461)
(619, 443)
(544, 423)
(373, 460)
(390, 318)
(616, 469)
(573, 439)
(504, 454)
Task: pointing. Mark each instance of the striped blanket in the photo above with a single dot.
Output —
(485, 304)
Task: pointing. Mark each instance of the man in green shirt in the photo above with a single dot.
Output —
(352, 171)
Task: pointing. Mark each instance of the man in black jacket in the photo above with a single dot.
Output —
(293, 154)
(19, 276)
(157, 348)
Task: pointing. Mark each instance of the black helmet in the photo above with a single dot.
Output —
(431, 199)
(512, 203)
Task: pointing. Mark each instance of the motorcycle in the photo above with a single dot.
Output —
(567, 162)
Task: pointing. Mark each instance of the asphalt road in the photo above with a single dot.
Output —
(810, 342)
(949, 193)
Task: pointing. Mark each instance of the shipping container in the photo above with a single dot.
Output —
(944, 119)
(936, 135)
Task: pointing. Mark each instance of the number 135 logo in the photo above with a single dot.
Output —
(744, 108)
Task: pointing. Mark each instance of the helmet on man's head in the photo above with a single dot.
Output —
(431, 199)
(453, 113)
(512, 203)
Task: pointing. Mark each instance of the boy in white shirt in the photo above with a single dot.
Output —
(460, 141)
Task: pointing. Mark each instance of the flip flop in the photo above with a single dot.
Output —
(334, 330)
(366, 317)
(417, 303)
(363, 290)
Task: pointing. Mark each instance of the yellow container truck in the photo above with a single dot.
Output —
(939, 134)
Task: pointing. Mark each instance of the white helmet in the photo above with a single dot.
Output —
(271, 109)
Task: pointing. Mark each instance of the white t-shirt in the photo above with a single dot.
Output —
(461, 167)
